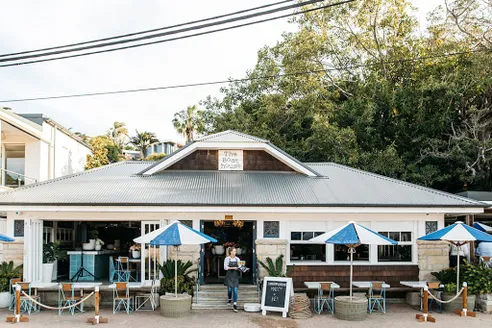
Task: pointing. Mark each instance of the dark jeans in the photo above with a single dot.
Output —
(232, 293)
(453, 262)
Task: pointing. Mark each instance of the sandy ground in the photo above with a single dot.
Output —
(397, 315)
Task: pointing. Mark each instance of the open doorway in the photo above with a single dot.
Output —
(213, 256)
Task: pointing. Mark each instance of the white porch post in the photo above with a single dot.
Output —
(33, 249)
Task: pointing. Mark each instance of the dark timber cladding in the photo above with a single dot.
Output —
(258, 160)
(253, 160)
(390, 274)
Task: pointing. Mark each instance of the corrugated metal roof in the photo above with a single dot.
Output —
(119, 184)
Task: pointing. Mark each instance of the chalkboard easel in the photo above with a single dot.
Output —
(276, 295)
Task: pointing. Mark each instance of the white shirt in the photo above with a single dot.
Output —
(484, 249)
(464, 251)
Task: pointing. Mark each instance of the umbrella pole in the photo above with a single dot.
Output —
(458, 269)
(176, 273)
(351, 250)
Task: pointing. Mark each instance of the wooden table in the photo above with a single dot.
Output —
(317, 284)
(367, 284)
(416, 284)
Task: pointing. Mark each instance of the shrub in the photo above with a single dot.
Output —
(8, 271)
(185, 281)
(274, 269)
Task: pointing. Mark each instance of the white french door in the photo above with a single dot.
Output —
(155, 254)
(33, 249)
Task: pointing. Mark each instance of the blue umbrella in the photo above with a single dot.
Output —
(176, 234)
(6, 239)
(353, 235)
(482, 227)
(458, 234)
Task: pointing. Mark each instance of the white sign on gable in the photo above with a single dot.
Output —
(230, 160)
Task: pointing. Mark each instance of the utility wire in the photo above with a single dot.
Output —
(147, 31)
(157, 35)
(264, 77)
(180, 37)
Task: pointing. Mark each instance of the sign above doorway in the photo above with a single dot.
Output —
(230, 160)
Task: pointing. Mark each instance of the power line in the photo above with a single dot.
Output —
(264, 77)
(147, 31)
(158, 35)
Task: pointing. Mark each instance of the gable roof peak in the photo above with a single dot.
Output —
(231, 136)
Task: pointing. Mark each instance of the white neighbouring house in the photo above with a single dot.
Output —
(272, 201)
(35, 148)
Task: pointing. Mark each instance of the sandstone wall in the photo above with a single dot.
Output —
(270, 248)
(433, 256)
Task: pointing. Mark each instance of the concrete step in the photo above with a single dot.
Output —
(206, 306)
(223, 293)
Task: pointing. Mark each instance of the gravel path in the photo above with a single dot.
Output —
(398, 315)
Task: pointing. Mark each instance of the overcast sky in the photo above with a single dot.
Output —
(27, 25)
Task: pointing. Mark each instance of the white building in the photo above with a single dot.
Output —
(242, 189)
(35, 148)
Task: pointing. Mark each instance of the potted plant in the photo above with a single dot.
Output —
(135, 249)
(448, 278)
(172, 306)
(99, 244)
(230, 244)
(7, 271)
(220, 235)
(52, 253)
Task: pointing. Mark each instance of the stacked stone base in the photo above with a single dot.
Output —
(484, 303)
(354, 309)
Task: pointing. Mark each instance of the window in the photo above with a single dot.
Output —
(430, 227)
(396, 253)
(15, 156)
(341, 253)
(308, 252)
(302, 250)
(18, 228)
(271, 229)
(188, 223)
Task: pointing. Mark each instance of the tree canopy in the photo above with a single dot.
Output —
(360, 84)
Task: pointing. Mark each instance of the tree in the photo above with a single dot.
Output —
(189, 122)
(104, 151)
(358, 84)
(155, 157)
(142, 141)
(119, 133)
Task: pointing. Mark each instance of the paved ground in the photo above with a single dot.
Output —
(398, 315)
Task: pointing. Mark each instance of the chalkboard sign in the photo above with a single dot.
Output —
(276, 294)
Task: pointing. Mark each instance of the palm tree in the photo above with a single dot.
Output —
(142, 141)
(119, 133)
(188, 122)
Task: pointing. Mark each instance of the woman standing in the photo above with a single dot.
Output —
(231, 266)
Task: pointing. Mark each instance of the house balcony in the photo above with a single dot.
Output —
(10, 179)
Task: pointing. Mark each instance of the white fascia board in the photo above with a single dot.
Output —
(232, 145)
(241, 209)
(23, 125)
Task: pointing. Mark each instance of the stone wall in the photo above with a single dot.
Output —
(14, 252)
(186, 253)
(433, 256)
(271, 248)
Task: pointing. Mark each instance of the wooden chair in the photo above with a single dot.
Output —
(122, 269)
(13, 282)
(434, 289)
(26, 304)
(376, 296)
(67, 297)
(486, 260)
(326, 295)
(121, 296)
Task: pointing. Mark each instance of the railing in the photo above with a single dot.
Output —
(13, 179)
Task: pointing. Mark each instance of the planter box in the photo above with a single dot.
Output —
(413, 298)
(354, 309)
(5, 300)
(484, 303)
(175, 307)
(457, 304)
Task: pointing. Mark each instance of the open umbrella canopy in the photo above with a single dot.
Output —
(177, 234)
(353, 234)
(482, 227)
(148, 237)
(458, 233)
(6, 239)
